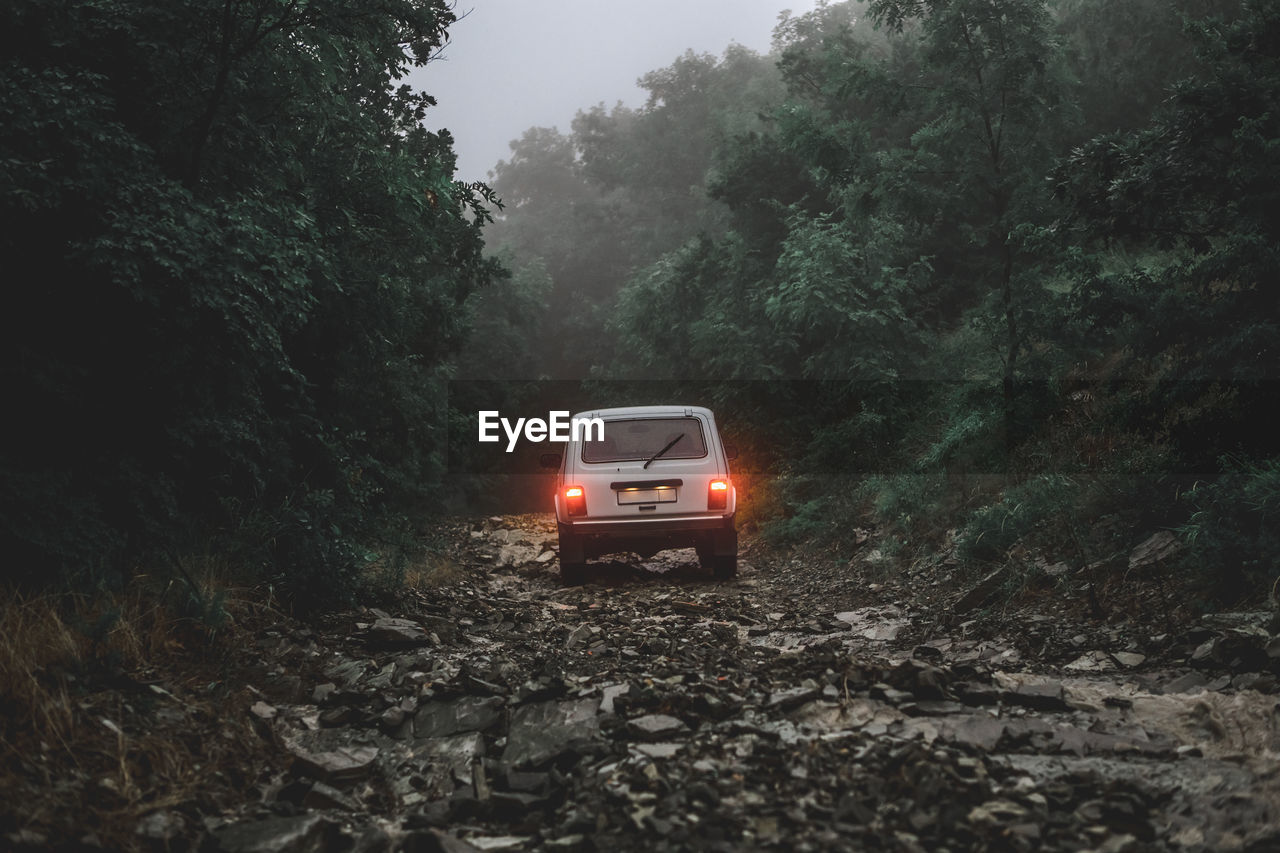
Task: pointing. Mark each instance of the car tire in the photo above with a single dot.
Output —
(724, 568)
(706, 556)
(573, 574)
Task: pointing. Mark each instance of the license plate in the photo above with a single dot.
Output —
(661, 495)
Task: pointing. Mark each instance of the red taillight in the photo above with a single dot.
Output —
(718, 494)
(575, 500)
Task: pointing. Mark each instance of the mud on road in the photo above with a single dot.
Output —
(657, 709)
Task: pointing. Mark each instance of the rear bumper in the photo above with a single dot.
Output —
(657, 527)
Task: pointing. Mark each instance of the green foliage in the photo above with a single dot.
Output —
(1234, 537)
(239, 262)
(992, 530)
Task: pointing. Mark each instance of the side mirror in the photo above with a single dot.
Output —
(730, 452)
(549, 460)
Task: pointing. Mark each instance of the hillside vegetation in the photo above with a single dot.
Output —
(989, 277)
(979, 275)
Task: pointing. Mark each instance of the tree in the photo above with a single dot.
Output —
(241, 263)
(995, 97)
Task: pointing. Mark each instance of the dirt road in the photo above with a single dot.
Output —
(791, 709)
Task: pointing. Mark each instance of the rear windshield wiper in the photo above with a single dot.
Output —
(670, 444)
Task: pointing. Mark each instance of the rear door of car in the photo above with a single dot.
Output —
(650, 466)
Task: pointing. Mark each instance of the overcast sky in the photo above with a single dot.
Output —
(516, 64)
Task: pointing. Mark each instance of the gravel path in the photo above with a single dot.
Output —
(791, 709)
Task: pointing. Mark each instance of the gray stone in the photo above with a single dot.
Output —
(610, 693)
(445, 629)
(305, 833)
(392, 633)
(1156, 549)
(1189, 682)
(793, 697)
(982, 733)
(340, 764)
(161, 826)
(1047, 696)
(517, 555)
(322, 796)
(434, 841)
(468, 714)
(983, 591)
(656, 726)
(456, 752)
(1129, 658)
(658, 750)
(578, 636)
(346, 672)
(543, 731)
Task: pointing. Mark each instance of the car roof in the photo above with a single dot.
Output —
(670, 410)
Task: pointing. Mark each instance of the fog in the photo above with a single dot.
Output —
(515, 64)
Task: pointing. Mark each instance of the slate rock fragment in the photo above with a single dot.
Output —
(392, 632)
(467, 714)
(304, 833)
(542, 732)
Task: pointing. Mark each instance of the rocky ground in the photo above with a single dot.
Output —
(796, 708)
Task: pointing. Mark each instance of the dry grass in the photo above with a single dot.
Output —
(106, 711)
(432, 571)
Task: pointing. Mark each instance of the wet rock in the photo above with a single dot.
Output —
(306, 833)
(1095, 661)
(609, 694)
(981, 733)
(544, 731)
(1156, 549)
(457, 754)
(792, 697)
(528, 782)
(579, 635)
(510, 806)
(1189, 682)
(263, 711)
(468, 714)
(1040, 696)
(658, 750)
(1129, 659)
(161, 829)
(516, 555)
(346, 673)
(655, 726)
(976, 693)
(434, 841)
(392, 632)
(343, 763)
(322, 796)
(982, 592)
(392, 718)
(445, 630)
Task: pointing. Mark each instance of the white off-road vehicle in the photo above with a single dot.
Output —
(657, 478)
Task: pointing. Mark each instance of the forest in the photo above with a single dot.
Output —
(991, 277)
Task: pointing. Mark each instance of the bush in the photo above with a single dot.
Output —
(1038, 503)
(1232, 531)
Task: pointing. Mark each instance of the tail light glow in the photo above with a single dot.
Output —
(718, 494)
(575, 500)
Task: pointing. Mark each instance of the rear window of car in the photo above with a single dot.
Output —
(640, 438)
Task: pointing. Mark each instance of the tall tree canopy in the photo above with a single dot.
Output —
(233, 261)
